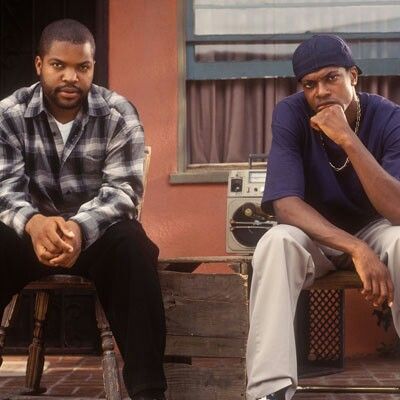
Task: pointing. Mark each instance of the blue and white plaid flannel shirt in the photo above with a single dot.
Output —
(94, 179)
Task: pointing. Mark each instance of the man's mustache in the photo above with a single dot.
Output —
(68, 88)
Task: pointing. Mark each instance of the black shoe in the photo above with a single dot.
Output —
(273, 396)
(149, 395)
(279, 395)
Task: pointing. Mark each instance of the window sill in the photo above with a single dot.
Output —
(202, 176)
(209, 173)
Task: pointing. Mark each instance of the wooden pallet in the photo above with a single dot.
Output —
(207, 325)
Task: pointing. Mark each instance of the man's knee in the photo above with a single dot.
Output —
(283, 245)
(129, 238)
(13, 248)
(282, 234)
(392, 234)
(386, 242)
(391, 244)
(8, 236)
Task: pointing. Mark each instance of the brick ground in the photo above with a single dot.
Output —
(63, 375)
(82, 376)
(371, 370)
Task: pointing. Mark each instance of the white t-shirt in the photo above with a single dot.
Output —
(65, 129)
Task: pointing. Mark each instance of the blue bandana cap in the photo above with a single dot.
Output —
(321, 51)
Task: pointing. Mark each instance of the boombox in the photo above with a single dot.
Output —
(246, 222)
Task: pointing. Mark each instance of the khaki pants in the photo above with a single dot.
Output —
(286, 261)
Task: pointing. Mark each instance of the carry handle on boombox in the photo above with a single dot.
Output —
(255, 157)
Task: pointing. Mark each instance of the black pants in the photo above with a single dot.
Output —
(123, 266)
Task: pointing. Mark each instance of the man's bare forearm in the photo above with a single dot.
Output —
(294, 211)
(381, 188)
(377, 284)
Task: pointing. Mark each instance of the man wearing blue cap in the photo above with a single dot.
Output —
(333, 183)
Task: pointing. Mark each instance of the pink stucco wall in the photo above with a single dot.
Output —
(184, 220)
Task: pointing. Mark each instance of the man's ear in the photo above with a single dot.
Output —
(38, 65)
(354, 75)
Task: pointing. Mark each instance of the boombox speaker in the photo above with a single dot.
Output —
(246, 222)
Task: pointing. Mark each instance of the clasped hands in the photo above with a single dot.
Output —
(56, 242)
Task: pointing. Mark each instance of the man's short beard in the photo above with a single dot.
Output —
(68, 106)
(53, 99)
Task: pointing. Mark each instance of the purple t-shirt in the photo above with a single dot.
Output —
(298, 163)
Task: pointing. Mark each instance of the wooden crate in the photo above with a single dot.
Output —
(207, 326)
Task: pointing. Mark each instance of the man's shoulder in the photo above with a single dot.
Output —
(382, 113)
(15, 105)
(296, 102)
(293, 108)
(375, 101)
(295, 99)
(117, 105)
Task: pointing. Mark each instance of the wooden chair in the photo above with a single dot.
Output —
(43, 287)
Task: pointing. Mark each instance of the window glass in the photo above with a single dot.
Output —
(216, 17)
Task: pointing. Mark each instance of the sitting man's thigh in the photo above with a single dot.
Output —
(19, 264)
(123, 241)
(381, 236)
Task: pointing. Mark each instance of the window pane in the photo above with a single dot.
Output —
(214, 17)
(362, 49)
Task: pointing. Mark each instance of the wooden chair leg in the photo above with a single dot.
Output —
(111, 379)
(6, 320)
(34, 367)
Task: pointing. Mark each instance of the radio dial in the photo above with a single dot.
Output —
(248, 212)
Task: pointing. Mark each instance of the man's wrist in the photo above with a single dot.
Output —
(358, 246)
(31, 220)
(349, 142)
(77, 229)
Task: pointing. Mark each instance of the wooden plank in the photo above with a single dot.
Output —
(230, 288)
(189, 264)
(192, 346)
(179, 267)
(20, 397)
(199, 383)
(206, 305)
(338, 280)
(206, 259)
(207, 318)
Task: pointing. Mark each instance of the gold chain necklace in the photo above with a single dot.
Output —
(346, 162)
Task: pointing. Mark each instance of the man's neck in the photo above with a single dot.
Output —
(63, 116)
(351, 112)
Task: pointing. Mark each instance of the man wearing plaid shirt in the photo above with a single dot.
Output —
(71, 160)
